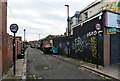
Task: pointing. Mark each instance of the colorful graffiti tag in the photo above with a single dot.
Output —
(113, 6)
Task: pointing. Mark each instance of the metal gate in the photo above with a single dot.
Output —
(114, 48)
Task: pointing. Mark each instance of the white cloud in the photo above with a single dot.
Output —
(42, 16)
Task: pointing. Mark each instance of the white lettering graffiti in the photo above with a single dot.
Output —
(78, 46)
(89, 34)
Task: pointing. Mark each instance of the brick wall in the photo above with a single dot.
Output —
(4, 37)
(6, 41)
(0, 39)
(19, 39)
(10, 49)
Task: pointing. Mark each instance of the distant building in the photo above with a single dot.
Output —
(48, 40)
(19, 38)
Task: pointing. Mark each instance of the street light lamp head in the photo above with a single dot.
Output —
(67, 5)
(24, 29)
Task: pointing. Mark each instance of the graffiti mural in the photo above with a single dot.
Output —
(113, 6)
(80, 45)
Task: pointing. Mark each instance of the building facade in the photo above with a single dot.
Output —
(83, 44)
(83, 41)
(92, 9)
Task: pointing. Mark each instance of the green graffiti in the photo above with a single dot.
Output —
(93, 46)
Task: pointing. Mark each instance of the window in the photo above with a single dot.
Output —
(86, 15)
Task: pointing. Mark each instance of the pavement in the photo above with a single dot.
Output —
(20, 71)
(112, 71)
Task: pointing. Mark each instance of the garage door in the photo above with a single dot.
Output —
(115, 48)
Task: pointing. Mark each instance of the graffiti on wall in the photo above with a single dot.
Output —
(66, 50)
(63, 45)
(87, 42)
(93, 46)
(80, 44)
(84, 47)
(94, 33)
(113, 6)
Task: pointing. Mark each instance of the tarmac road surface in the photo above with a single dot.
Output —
(45, 66)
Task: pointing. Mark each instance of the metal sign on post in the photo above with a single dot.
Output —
(14, 29)
(98, 28)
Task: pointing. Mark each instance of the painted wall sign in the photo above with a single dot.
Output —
(111, 30)
(112, 20)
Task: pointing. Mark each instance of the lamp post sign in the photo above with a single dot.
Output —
(14, 29)
(98, 28)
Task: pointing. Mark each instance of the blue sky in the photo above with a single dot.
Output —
(42, 17)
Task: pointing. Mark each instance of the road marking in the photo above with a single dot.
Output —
(34, 77)
(83, 69)
(92, 71)
(87, 69)
(107, 78)
(101, 75)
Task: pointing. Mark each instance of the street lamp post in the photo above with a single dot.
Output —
(24, 40)
(68, 22)
(24, 35)
(39, 42)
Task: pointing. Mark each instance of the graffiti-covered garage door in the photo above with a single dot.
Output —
(115, 51)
